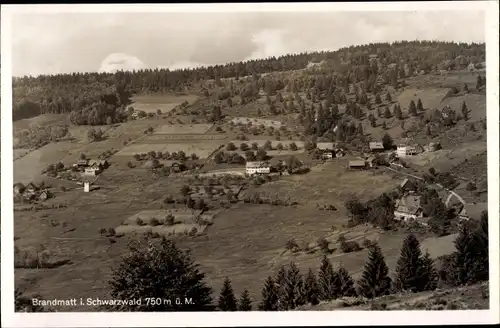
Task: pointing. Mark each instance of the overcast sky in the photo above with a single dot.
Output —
(61, 43)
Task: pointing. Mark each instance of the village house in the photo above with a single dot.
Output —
(30, 188)
(376, 146)
(82, 162)
(408, 208)
(258, 167)
(471, 67)
(357, 165)
(371, 160)
(472, 211)
(406, 150)
(407, 184)
(327, 149)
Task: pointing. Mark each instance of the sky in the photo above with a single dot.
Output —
(81, 42)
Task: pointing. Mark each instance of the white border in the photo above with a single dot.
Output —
(293, 318)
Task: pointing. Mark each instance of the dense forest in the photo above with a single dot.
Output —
(101, 98)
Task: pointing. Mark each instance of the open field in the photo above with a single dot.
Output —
(447, 158)
(164, 103)
(184, 129)
(431, 97)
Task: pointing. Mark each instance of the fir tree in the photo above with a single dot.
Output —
(378, 100)
(293, 291)
(428, 273)
(311, 290)
(227, 301)
(465, 111)
(387, 113)
(245, 303)
(328, 282)
(269, 295)
(461, 258)
(160, 271)
(375, 280)
(346, 283)
(360, 129)
(388, 97)
(420, 107)
(466, 88)
(387, 141)
(412, 109)
(384, 126)
(279, 280)
(408, 266)
(397, 112)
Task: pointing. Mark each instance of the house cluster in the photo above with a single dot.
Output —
(329, 150)
(31, 192)
(91, 167)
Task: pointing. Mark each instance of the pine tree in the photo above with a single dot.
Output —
(359, 130)
(245, 303)
(160, 271)
(293, 291)
(328, 282)
(387, 141)
(387, 113)
(269, 295)
(407, 270)
(375, 280)
(346, 283)
(378, 100)
(388, 97)
(384, 126)
(420, 107)
(397, 112)
(412, 109)
(311, 290)
(428, 273)
(280, 279)
(461, 259)
(465, 111)
(227, 301)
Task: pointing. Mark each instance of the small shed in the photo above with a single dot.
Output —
(357, 165)
(376, 146)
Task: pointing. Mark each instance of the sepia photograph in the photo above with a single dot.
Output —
(272, 160)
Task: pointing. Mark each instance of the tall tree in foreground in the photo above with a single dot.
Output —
(346, 283)
(269, 295)
(428, 272)
(412, 109)
(408, 267)
(375, 280)
(311, 290)
(293, 291)
(328, 282)
(245, 303)
(227, 301)
(471, 255)
(160, 270)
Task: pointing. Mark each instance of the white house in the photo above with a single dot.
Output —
(258, 168)
(327, 149)
(406, 150)
(86, 186)
(376, 146)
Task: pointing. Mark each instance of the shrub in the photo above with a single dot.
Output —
(139, 222)
(111, 232)
(154, 222)
(367, 243)
(291, 245)
(102, 231)
(170, 220)
(323, 245)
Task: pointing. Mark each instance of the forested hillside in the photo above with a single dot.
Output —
(100, 98)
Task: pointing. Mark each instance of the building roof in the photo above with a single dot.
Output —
(376, 145)
(408, 204)
(404, 183)
(357, 163)
(31, 185)
(474, 211)
(256, 165)
(325, 145)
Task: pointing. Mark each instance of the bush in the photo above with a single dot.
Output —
(139, 222)
(170, 220)
(367, 243)
(154, 222)
(323, 245)
(102, 231)
(291, 245)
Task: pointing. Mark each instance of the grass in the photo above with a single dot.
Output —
(164, 103)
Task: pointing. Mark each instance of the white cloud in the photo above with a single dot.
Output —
(119, 61)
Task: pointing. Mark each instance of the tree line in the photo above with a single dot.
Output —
(163, 271)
